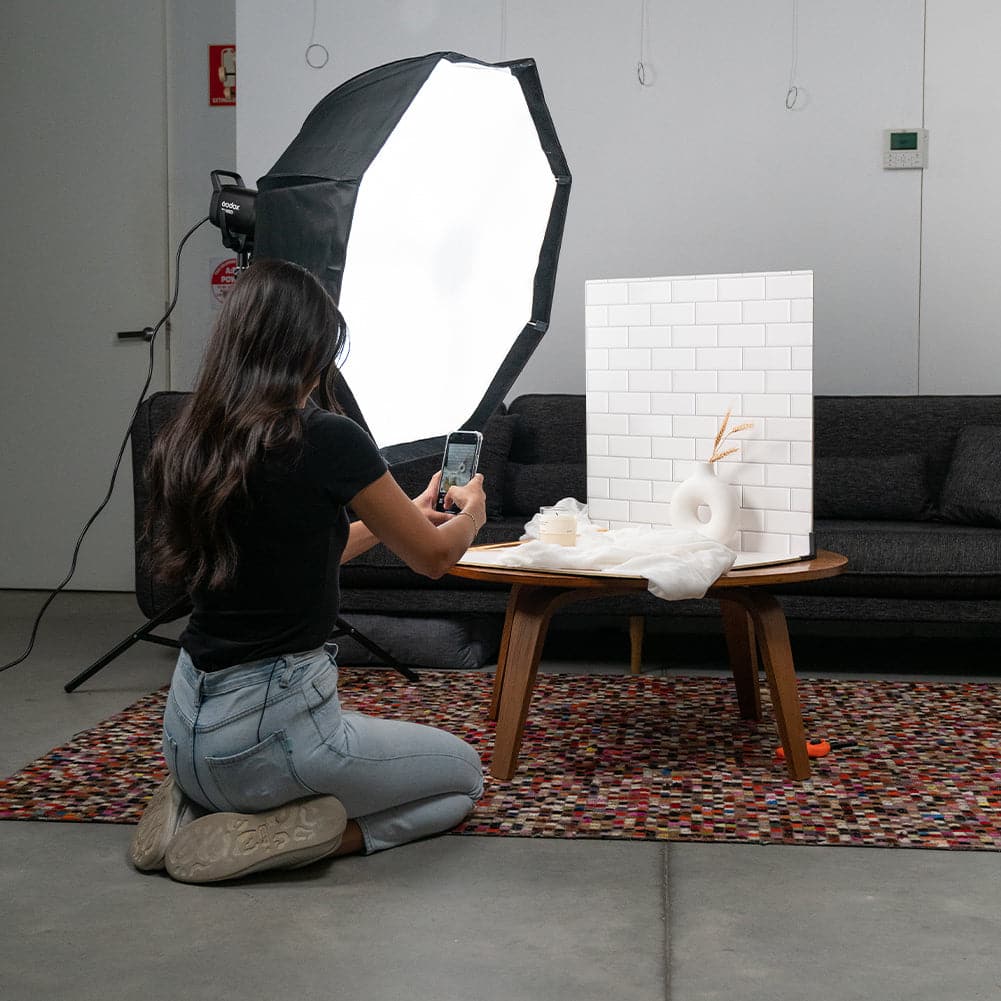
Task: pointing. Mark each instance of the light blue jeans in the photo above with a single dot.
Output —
(254, 736)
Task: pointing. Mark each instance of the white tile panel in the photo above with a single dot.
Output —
(635, 315)
(797, 334)
(788, 521)
(597, 444)
(629, 445)
(741, 382)
(766, 311)
(740, 288)
(802, 359)
(766, 358)
(597, 486)
(789, 476)
(649, 337)
(596, 403)
(655, 381)
(631, 490)
(801, 310)
(718, 312)
(765, 405)
(652, 469)
(650, 291)
(629, 403)
(673, 448)
(600, 509)
(629, 358)
(660, 425)
(791, 287)
(674, 404)
(673, 358)
(603, 379)
(694, 290)
(651, 513)
(740, 335)
(694, 382)
(603, 293)
(789, 382)
(696, 346)
(602, 423)
(720, 358)
(694, 336)
(607, 465)
(607, 337)
(672, 313)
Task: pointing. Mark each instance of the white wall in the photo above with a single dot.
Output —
(201, 139)
(706, 171)
(961, 262)
(90, 96)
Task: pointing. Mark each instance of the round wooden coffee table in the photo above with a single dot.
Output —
(753, 620)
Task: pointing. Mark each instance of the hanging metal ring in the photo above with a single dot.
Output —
(317, 59)
(792, 96)
(641, 73)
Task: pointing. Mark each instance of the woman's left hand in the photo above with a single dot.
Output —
(425, 502)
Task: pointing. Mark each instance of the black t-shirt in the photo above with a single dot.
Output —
(290, 536)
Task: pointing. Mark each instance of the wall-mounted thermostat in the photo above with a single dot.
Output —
(905, 149)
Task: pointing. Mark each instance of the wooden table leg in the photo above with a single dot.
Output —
(769, 626)
(742, 647)
(502, 653)
(637, 625)
(530, 611)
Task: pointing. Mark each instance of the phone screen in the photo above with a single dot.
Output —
(458, 468)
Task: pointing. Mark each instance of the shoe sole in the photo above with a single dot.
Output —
(156, 826)
(221, 846)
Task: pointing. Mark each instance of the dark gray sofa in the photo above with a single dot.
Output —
(907, 487)
(923, 543)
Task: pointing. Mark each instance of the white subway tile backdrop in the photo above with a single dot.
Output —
(665, 359)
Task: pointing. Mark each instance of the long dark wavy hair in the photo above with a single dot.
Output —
(278, 336)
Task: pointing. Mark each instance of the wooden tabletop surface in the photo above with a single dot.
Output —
(824, 564)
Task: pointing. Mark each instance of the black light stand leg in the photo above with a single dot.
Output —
(346, 629)
(143, 633)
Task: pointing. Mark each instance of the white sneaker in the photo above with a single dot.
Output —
(166, 813)
(222, 846)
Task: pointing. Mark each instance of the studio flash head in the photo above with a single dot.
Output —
(233, 209)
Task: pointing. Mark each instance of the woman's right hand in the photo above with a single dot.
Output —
(471, 499)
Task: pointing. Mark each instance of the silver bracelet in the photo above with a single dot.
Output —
(476, 528)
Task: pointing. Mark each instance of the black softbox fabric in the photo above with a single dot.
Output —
(306, 202)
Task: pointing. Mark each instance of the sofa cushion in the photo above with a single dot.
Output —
(904, 548)
(972, 490)
(530, 485)
(889, 487)
(498, 435)
(552, 428)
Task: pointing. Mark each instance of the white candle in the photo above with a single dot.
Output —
(557, 527)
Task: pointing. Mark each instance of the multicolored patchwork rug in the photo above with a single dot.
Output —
(915, 764)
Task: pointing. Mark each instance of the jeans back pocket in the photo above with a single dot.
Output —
(260, 777)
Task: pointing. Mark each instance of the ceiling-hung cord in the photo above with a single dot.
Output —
(792, 94)
(503, 30)
(644, 72)
(317, 54)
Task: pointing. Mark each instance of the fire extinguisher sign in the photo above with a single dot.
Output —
(222, 75)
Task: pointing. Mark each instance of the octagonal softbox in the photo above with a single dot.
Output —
(429, 197)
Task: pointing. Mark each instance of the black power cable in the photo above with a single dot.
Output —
(150, 334)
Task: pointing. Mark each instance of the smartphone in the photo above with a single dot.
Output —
(458, 466)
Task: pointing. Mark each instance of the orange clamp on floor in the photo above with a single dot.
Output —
(814, 748)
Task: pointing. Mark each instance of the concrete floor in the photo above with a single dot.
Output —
(465, 918)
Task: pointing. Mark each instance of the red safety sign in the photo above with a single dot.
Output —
(223, 276)
(222, 74)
